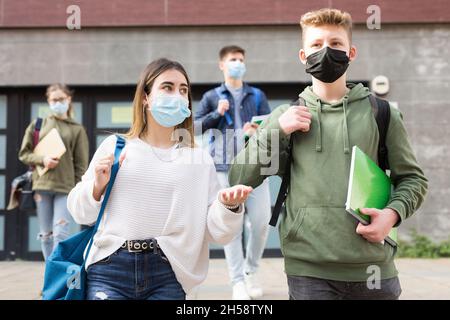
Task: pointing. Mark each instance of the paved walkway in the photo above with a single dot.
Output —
(420, 278)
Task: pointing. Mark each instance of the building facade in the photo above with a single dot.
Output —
(102, 62)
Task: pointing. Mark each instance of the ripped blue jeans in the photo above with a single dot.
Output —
(133, 276)
(55, 221)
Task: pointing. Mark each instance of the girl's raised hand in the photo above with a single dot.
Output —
(235, 195)
(102, 173)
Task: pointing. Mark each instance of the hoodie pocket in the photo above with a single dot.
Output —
(295, 225)
(290, 226)
(328, 235)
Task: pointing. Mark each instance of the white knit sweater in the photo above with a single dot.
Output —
(174, 202)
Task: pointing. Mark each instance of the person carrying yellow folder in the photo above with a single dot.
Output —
(328, 254)
(51, 189)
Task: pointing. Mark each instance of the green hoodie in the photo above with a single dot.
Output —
(318, 237)
(72, 164)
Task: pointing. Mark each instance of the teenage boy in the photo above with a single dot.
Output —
(229, 109)
(327, 253)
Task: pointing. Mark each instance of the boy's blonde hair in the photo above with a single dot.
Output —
(327, 16)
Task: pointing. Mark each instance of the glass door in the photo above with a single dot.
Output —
(113, 116)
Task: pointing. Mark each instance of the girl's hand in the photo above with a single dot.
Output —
(50, 162)
(235, 195)
(102, 174)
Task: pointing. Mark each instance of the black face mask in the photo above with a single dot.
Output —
(327, 65)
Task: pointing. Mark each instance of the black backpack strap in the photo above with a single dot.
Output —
(282, 194)
(382, 114)
(284, 188)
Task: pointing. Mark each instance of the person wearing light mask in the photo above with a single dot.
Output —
(166, 204)
(230, 108)
(51, 189)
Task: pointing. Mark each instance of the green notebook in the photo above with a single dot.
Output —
(368, 187)
(259, 119)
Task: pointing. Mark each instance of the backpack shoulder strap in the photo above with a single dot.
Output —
(222, 96)
(382, 113)
(284, 188)
(257, 97)
(120, 144)
(38, 124)
(219, 93)
(37, 129)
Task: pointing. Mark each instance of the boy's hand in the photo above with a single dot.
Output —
(295, 118)
(235, 195)
(381, 223)
(223, 106)
(250, 128)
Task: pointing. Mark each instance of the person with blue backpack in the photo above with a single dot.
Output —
(225, 115)
(158, 205)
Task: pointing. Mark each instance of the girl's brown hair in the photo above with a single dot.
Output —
(144, 87)
(66, 90)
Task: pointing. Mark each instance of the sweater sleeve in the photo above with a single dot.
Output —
(80, 202)
(410, 184)
(222, 224)
(81, 154)
(248, 168)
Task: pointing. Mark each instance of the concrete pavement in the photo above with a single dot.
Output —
(420, 279)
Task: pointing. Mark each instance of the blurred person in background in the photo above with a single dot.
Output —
(51, 189)
(229, 109)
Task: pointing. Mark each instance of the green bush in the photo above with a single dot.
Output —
(422, 247)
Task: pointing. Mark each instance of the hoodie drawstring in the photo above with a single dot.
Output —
(319, 128)
(345, 128)
(346, 137)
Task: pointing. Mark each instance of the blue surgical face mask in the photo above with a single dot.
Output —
(169, 110)
(59, 108)
(236, 69)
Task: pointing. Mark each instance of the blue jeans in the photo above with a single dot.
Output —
(55, 221)
(258, 211)
(133, 276)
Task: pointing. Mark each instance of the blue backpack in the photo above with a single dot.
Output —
(65, 274)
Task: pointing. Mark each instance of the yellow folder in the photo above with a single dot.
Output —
(52, 146)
